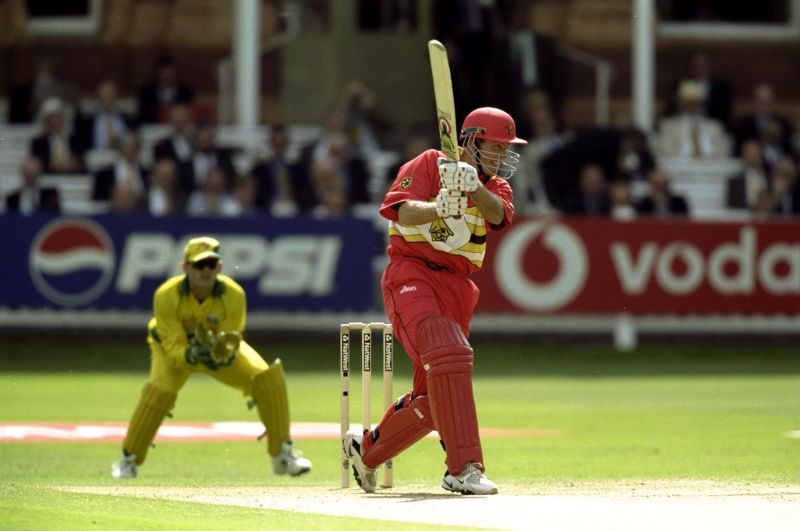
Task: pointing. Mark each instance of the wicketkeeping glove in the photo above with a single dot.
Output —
(457, 176)
(213, 351)
(450, 203)
(225, 347)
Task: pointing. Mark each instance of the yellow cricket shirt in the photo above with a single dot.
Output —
(178, 313)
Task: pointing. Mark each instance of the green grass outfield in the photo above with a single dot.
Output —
(719, 411)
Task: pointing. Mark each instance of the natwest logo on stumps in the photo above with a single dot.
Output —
(72, 261)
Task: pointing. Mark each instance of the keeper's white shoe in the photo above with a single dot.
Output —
(125, 468)
(366, 477)
(470, 481)
(289, 461)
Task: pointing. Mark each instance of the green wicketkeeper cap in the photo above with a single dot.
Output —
(201, 248)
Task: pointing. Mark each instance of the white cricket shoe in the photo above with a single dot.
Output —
(125, 468)
(367, 478)
(470, 481)
(289, 461)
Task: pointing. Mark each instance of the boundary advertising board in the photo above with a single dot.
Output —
(116, 262)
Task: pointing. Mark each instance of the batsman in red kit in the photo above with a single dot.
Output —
(439, 212)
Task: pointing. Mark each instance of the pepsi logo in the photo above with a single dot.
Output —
(72, 261)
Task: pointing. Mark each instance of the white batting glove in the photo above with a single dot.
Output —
(450, 203)
(457, 176)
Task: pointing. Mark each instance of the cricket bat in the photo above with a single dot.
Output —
(445, 105)
(443, 93)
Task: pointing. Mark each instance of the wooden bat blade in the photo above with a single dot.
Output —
(443, 93)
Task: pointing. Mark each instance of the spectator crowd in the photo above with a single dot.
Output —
(617, 171)
(623, 171)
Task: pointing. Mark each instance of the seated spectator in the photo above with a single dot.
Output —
(414, 142)
(751, 126)
(764, 205)
(104, 128)
(335, 145)
(592, 199)
(529, 192)
(207, 153)
(744, 189)
(336, 141)
(691, 134)
(329, 184)
(334, 125)
(244, 192)
(353, 167)
(58, 147)
(125, 198)
(126, 167)
(621, 200)
(661, 201)
(31, 197)
(212, 199)
(283, 187)
(784, 188)
(771, 143)
(634, 160)
(178, 146)
(162, 92)
(162, 199)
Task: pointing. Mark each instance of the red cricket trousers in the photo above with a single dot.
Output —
(414, 290)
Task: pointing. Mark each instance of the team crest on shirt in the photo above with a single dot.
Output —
(405, 183)
(440, 231)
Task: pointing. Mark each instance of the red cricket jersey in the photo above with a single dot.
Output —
(455, 244)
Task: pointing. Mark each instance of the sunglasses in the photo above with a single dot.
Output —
(208, 262)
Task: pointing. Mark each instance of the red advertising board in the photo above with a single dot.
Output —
(597, 266)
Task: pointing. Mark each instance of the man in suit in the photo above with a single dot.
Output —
(208, 154)
(161, 93)
(283, 187)
(784, 188)
(31, 197)
(743, 189)
(126, 168)
(592, 197)
(754, 126)
(104, 128)
(58, 148)
(178, 146)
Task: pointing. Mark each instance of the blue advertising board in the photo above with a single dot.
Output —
(116, 262)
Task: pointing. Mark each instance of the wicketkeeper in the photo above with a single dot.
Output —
(439, 212)
(197, 327)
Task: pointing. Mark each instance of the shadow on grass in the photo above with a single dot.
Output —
(493, 355)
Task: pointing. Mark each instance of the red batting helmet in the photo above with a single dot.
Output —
(491, 124)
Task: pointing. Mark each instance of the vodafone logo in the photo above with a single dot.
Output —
(72, 261)
(730, 268)
(572, 267)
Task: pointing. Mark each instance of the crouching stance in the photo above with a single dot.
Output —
(197, 326)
